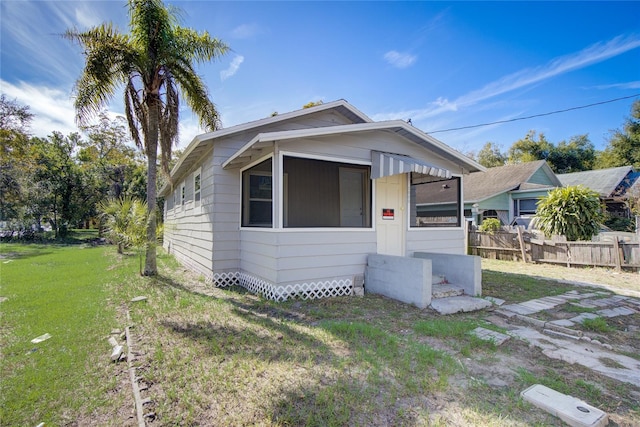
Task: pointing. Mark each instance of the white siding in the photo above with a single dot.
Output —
(306, 256)
(447, 241)
(209, 240)
(189, 229)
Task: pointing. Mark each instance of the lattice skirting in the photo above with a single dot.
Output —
(312, 290)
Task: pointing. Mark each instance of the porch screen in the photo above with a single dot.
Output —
(320, 193)
(435, 202)
(257, 196)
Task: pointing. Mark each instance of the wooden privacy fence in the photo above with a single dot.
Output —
(524, 246)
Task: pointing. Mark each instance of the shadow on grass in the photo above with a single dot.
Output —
(515, 288)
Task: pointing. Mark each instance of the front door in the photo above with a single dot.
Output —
(390, 214)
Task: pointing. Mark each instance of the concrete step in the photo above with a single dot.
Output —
(445, 291)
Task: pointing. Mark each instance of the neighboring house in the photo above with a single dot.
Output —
(293, 204)
(613, 185)
(509, 191)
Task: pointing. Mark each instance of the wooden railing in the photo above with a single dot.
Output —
(521, 245)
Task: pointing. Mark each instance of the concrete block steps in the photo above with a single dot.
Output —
(445, 291)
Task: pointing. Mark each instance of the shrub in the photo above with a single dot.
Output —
(574, 212)
(490, 225)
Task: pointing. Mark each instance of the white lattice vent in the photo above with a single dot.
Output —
(313, 290)
(226, 279)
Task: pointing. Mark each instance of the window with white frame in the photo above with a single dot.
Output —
(183, 194)
(257, 195)
(435, 202)
(197, 177)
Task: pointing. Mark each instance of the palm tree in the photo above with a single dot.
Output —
(153, 63)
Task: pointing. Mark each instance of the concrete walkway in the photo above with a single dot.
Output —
(557, 340)
(592, 356)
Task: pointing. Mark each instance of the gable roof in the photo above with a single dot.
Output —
(399, 127)
(605, 182)
(483, 185)
(201, 144)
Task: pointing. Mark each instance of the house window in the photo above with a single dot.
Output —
(435, 203)
(257, 195)
(320, 193)
(490, 213)
(525, 206)
(196, 187)
(182, 195)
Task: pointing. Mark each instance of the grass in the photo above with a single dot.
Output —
(515, 288)
(233, 358)
(597, 324)
(62, 291)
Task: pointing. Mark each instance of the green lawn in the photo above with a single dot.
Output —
(64, 291)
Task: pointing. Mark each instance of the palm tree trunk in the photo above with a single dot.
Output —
(150, 266)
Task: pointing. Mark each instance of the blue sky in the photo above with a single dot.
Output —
(443, 65)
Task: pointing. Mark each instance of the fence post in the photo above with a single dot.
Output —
(616, 255)
(523, 250)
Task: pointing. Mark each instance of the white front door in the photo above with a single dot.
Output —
(391, 195)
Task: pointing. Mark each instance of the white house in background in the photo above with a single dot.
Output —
(292, 205)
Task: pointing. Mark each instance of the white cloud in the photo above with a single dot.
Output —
(233, 67)
(521, 79)
(52, 108)
(591, 55)
(399, 59)
(626, 85)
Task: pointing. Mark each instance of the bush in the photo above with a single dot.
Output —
(574, 212)
(490, 225)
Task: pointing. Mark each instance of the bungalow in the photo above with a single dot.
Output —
(509, 191)
(613, 185)
(293, 204)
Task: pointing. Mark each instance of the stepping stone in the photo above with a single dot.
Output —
(614, 312)
(519, 309)
(563, 322)
(583, 316)
(585, 296)
(488, 335)
(537, 305)
(458, 304)
(496, 301)
(572, 411)
(553, 300)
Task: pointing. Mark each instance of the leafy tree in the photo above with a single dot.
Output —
(60, 191)
(574, 212)
(529, 149)
(107, 154)
(574, 156)
(14, 146)
(490, 156)
(154, 63)
(623, 148)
